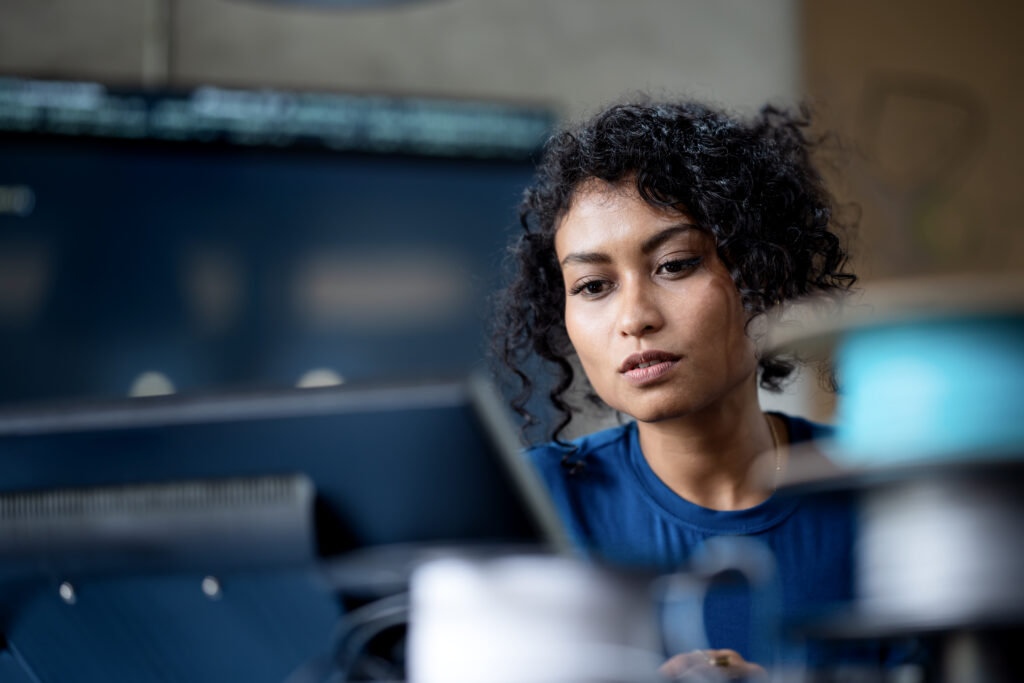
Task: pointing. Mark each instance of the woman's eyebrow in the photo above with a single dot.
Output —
(588, 257)
(649, 245)
(655, 241)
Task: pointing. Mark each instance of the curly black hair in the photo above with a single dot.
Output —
(751, 184)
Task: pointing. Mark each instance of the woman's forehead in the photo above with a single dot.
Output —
(604, 212)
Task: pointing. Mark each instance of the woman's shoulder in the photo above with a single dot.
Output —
(597, 445)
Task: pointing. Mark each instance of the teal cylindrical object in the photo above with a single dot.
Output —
(941, 389)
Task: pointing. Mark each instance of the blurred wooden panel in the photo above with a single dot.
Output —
(927, 96)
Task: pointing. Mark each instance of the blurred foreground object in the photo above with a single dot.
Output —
(163, 527)
(929, 369)
(931, 438)
(520, 618)
(220, 537)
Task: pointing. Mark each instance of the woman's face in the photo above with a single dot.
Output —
(652, 312)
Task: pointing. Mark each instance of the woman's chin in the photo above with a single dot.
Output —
(658, 412)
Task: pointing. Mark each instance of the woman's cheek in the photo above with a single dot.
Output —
(584, 332)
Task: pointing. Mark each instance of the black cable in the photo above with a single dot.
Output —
(352, 636)
(357, 629)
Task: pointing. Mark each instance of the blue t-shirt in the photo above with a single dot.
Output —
(618, 511)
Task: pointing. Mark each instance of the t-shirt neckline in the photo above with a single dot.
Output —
(750, 520)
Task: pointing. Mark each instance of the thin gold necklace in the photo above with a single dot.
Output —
(776, 446)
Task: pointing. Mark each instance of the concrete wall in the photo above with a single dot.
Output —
(573, 54)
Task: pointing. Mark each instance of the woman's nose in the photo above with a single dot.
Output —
(639, 312)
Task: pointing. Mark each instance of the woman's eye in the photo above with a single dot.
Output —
(678, 266)
(591, 287)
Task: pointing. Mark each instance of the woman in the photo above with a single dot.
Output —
(656, 237)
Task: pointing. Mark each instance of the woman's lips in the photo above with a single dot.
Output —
(656, 364)
(641, 376)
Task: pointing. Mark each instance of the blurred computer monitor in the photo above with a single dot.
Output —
(390, 464)
(415, 466)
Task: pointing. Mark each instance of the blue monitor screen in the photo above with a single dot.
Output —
(226, 259)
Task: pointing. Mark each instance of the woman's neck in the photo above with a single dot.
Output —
(710, 457)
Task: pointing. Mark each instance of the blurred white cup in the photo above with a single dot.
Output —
(530, 619)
